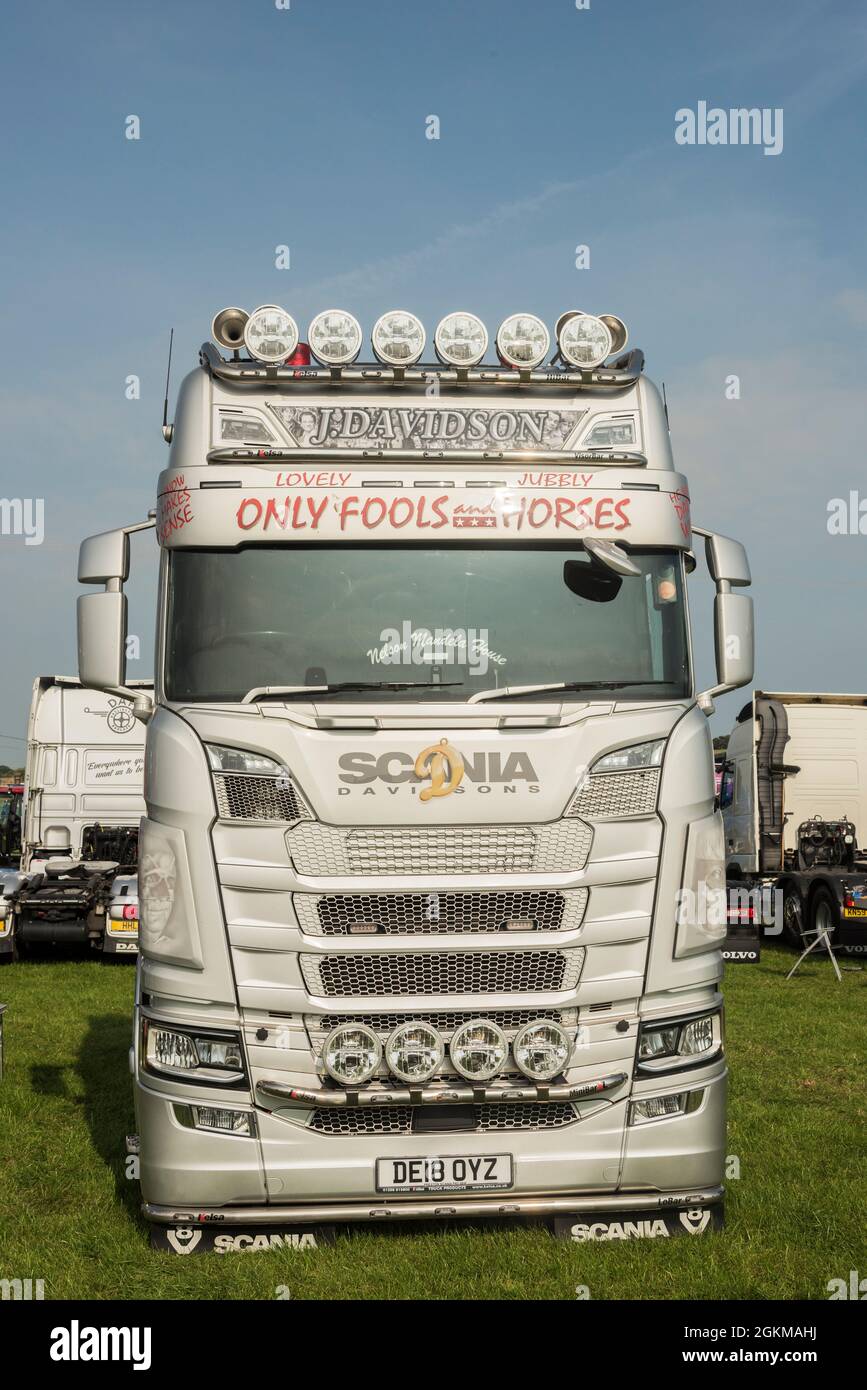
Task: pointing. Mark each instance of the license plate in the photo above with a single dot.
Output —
(449, 1174)
(855, 911)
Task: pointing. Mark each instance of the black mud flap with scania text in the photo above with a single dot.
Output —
(640, 1225)
(238, 1240)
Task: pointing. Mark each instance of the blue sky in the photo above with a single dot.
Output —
(306, 127)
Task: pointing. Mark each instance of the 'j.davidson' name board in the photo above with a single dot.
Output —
(430, 427)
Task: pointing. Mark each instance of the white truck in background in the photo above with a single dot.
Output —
(794, 802)
(83, 801)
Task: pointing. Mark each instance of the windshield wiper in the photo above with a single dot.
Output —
(276, 692)
(506, 692)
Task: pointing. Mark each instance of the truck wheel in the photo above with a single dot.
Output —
(825, 912)
(793, 915)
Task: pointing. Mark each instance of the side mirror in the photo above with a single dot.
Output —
(734, 636)
(104, 558)
(734, 639)
(726, 560)
(102, 617)
(102, 640)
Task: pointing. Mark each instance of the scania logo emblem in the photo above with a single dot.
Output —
(694, 1221)
(183, 1239)
(443, 765)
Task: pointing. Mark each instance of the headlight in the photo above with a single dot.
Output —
(398, 338)
(675, 1044)
(414, 1052)
(523, 340)
(223, 759)
(461, 339)
(351, 1054)
(270, 334)
(583, 339)
(208, 1057)
(541, 1050)
(627, 759)
(478, 1050)
(335, 337)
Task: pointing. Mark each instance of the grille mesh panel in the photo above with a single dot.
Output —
(445, 1021)
(453, 972)
(403, 914)
(329, 850)
(241, 796)
(614, 795)
(398, 1119)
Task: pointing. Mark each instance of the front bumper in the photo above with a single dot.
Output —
(445, 1208)
(289, 1168)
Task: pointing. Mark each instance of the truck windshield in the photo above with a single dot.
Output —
(455, 619)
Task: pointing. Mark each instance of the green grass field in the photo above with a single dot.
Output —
(795, 1217)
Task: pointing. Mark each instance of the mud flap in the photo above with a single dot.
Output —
(640, 1225)
(233, 1240)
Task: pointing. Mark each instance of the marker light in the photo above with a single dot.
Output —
(523, 340)
(584, 340)
(414, 1052)
(335, 337)
(541, 1050)
(461, 339)
(351, 1054)
(478, 1050)
(398, 338)
(270, 334)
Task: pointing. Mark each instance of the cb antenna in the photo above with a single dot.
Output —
(167, 428)
(664, 402)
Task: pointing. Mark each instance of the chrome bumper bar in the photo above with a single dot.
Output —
(434, 1208)
(435, 1095)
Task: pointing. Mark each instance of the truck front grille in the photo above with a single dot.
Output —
(404, 914)
(398, 1119)
(615, 795)
(366, 974)
(257, 797)
(334, 851)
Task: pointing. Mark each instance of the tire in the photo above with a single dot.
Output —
(825, 912)
(793, 916)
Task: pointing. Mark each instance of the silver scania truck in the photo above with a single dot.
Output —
(431, 879)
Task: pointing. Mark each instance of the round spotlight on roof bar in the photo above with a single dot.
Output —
(414, 1052)
(351, 1054)
(335, 337)
(583, 339)
(398, 338)
(270, 334)
(522, 340)
(617, 329)
(227, 327)
(541, 1049)
(478, 1050)
(461, 339)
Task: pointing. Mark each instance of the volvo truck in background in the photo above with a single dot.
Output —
(794, 805)
(76, 881)
(431, 878)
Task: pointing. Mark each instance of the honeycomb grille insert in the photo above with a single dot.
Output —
(398, 1119)
(617, 795)
(241, 796)
(405, 914)
(363, 975)
(322, 851)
